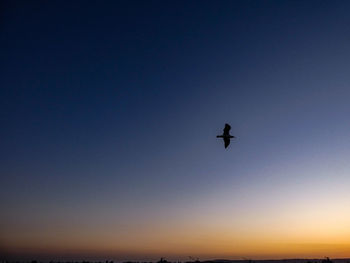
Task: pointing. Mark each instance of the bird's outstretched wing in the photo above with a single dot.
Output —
(227, 142)
(227, 129)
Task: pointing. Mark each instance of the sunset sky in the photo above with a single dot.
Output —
(109, 117)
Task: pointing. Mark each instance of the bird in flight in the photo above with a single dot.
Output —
(226, 135)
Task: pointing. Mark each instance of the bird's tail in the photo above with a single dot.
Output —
(219, 136)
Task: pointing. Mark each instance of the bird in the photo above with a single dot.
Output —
(226, 135)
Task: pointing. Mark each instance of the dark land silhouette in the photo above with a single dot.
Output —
(163, 260)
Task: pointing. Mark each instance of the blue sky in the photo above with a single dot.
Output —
(112, 109)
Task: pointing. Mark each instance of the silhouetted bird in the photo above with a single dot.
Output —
(226, 135)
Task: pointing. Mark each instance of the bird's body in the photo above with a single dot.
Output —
(226, 135)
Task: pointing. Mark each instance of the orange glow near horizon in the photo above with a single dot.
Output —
(175, 251)
(259, 237)
(296, 224)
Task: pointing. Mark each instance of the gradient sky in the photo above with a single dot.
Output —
(109, 112)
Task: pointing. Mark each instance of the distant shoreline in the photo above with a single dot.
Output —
(293, 260)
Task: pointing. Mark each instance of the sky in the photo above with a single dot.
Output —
(109, 116)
